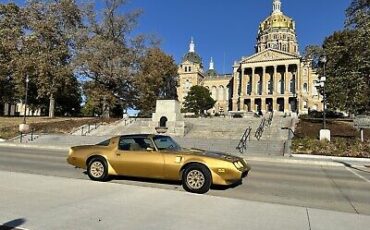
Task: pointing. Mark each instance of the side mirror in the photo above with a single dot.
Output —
(149, 149)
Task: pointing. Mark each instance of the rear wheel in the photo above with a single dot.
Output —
(196, 178)
(97, 169)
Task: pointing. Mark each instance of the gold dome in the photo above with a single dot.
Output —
(277, 21)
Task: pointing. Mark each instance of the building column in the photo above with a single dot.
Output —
(263, 105)
(253, 105)
(235, 105)
(241, 103)
(236, 83)
(274, 104)
(276, 81)
(253, 84)
(286, 105)
(287, 80)
(264, 81)
(242, 80)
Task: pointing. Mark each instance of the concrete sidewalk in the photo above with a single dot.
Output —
(44, 202)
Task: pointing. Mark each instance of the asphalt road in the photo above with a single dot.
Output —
(343, 189)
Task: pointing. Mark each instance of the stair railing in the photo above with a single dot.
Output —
(260, 129)
(242, 146)
(269, 119)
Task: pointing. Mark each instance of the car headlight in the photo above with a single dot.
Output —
(238, 164)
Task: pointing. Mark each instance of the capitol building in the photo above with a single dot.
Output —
(275, 78)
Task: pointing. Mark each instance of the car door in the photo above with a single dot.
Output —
(136, 156)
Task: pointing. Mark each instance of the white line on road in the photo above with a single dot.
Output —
(357, 174)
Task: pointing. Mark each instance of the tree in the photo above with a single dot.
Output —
(348, 66)
(107, 57)
(11, 30)
(52, 25)
(155, 80)
(347, 89)
(313, 52)
(198, 99)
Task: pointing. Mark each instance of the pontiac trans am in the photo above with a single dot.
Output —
(159, 157)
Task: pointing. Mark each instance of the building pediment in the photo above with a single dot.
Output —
(269, 55)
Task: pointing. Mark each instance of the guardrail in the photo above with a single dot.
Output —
(242, 146)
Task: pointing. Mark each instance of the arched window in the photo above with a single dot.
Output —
(214, 93)
(186, 69)
(163, 122)
(305, 87)
(189, 69)
(188, 85)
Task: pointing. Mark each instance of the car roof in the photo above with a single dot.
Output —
(147, 135)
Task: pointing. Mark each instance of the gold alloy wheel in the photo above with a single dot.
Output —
(195, 179)
(97, 169)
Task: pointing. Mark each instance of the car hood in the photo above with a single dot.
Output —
(213, 154)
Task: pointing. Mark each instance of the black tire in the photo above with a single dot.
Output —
(97, 169)
(196, 178)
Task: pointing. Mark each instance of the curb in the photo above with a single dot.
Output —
(10, 145)
(295, 161)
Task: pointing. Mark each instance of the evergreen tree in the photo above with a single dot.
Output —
(198, 100)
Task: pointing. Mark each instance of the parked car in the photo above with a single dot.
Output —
(160, 157)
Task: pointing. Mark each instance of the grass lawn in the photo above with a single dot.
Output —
(9, 125)
(345, 139)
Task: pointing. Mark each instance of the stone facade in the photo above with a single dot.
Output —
(275, 78)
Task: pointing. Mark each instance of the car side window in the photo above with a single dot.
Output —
(134, 143)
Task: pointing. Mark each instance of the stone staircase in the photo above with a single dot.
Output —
(219, 128)
(117, 128)
(216, 134)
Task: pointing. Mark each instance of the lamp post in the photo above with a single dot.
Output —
(25, 100)
(324, 133)
(323, 60)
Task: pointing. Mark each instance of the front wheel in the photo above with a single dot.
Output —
(97, 169)
(197, 179)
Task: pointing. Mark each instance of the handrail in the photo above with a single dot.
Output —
(89, 127)
(260, 129)
(269, 119)
(242, 146)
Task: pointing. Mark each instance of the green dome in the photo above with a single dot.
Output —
(192, 57)
(211, 73)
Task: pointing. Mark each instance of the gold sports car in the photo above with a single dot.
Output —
(160, 157)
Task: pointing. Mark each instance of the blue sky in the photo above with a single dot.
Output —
(226, 29)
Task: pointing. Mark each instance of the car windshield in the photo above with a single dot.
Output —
(104, 143)
(166, 143)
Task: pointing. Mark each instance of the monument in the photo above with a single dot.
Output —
(167, 118)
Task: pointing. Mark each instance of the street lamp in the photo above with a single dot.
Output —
(323, 60)
(25, 100)
(24, 128)
(324, 133)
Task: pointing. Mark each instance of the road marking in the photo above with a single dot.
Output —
(357, 174)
